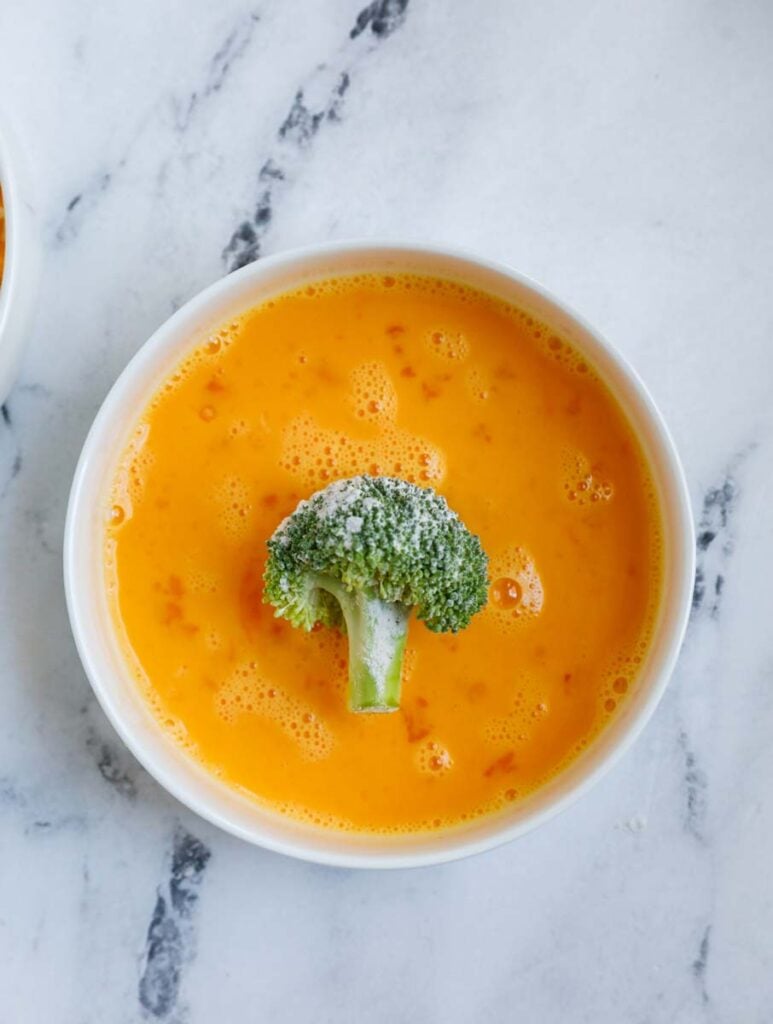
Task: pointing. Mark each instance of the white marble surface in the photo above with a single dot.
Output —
(620, 153)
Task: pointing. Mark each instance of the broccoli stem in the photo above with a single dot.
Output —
(377, 631)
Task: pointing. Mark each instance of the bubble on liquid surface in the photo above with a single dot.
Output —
(516, 594)
(199, 579)
(410, 659)
(478, 384)
(447, 344)
(117, 515)
(239, 427)
(233, 499)
(433, 758)
(506, 593)
(373, 394)
(247, 692)
(130, 476)
(584, 483)
(314, 455)
(516, 725)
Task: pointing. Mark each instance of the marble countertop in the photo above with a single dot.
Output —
(619, 153)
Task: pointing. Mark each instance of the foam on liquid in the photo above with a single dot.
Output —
(264, 681)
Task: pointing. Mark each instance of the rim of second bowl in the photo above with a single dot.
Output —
(450, 846)
(18, 286)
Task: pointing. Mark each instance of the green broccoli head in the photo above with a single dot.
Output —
(361, 555)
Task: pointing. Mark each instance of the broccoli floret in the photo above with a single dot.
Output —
(359, 556)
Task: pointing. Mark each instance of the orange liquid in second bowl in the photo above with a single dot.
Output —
(402, 376)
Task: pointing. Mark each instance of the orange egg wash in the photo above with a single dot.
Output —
(441, 385)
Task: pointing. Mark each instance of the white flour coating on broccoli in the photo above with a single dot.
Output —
(361, 555)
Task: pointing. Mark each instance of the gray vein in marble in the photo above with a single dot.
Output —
(382, 17)
(701, 962)
(319, 101)
(10, 796)
(171, 935)
(33, 388)
(227, 54)
(11, 453)
(696, 784)
(30, 808)
(714, 538)
(40, 523)
(302, 124)
(87, 198)
(294, 135)
(50, 826)
(109, 762)
(83, 202)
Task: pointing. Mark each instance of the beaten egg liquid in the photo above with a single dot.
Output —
(436, 383)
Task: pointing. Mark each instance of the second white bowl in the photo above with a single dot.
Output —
(18, 286)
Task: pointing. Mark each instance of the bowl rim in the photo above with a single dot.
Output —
(22, 255)
(456, 847)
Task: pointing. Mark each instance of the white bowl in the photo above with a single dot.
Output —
(90, 616)
(20, 276)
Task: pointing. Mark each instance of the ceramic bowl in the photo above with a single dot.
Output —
(91, 622)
